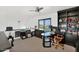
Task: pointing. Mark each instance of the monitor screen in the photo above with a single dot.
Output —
(9, 28)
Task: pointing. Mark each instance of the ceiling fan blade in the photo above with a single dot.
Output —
(31, 10)
(38, 9)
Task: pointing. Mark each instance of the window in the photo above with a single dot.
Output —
(44, 24)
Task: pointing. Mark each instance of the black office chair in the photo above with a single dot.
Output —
(9, 29)
(23, 35)
(12, 40)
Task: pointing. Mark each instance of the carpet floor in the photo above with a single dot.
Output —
(34, 44)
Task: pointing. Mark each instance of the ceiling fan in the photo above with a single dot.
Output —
(37, 9)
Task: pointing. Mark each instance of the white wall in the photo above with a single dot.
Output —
(25, 21)
(11, 16)
(53, 16)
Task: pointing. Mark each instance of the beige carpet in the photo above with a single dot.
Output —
(34, 44)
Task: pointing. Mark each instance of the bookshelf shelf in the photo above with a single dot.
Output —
(68, 19)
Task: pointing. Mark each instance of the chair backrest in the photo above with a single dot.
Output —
(58, 38)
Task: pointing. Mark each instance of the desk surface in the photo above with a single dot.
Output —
(47, 33)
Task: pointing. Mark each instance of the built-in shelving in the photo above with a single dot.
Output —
(68, 20)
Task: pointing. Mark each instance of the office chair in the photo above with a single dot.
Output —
(57, 39)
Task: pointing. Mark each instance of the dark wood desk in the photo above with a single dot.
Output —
(21, 33)
(38, 33)
(46, 39)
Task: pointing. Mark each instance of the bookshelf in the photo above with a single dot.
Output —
(68, 20)
(68, 23)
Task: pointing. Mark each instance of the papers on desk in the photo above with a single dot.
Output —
(46, 34)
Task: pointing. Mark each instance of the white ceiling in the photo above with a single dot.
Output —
(18, 10)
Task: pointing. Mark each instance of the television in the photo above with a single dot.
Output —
(9, 28)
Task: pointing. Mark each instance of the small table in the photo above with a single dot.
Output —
(46, 39)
